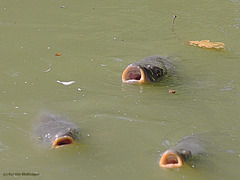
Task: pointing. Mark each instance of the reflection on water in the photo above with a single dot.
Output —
(3, 147)
(124, 127)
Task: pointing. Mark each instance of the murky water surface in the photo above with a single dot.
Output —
(125, 128)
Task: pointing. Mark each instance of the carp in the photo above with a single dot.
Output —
(150, 69)
(189, 147)
(55, 131)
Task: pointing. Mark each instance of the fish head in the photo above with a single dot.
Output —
(57, 133)
(171, 159)
(141, 73)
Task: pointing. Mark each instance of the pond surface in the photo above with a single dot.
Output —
(125, 128)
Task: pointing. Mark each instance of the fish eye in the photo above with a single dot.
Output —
(158, 72)
(185, 153)
(70, 131)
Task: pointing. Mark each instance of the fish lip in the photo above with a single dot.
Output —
(135, 70)
(171, 159)
(62, 141)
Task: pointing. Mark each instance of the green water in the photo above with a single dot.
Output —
(125, 128)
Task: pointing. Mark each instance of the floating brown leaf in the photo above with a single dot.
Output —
(207, 44)
(58, 54)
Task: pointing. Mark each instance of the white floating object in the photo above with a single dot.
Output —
(66, 83)
(47, 70)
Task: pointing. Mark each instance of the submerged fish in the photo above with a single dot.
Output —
(187, 148)
(55, 131)
(150, 69)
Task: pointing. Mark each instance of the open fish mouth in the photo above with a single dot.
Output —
(170, 159)
(62, 141)
(133, 74)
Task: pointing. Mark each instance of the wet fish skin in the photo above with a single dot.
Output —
(153, 67)
(55, 131)
(150, 69)
(187, 148)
